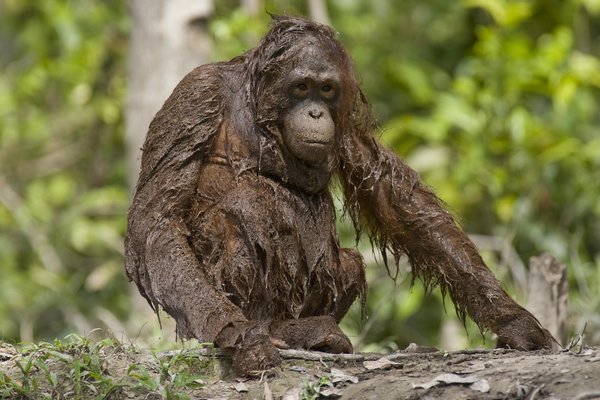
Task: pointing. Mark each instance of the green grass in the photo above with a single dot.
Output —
(81, 368)
(311, 390)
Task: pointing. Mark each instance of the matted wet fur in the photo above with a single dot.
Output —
(232, 230)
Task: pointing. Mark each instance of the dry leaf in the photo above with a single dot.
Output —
(337, 375)
(382, 363)
(240, 387)
(331, 392)
(481, 385)
(447, 379)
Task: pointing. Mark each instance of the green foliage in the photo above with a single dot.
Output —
(312, 389)
(176, 374)
(494, 102)
(48, 369)
(62, 192)
(77, 366)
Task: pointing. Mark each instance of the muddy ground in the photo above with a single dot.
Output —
(436, 375)
(418, 374)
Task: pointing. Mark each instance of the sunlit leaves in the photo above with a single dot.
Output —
(61, 98)
(495, 102)
(593, 6)
(504, 12)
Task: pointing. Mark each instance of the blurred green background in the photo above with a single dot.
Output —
(495, 102)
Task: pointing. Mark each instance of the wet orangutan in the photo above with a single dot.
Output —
(232, 227)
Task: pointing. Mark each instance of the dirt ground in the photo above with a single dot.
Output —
(498, 374)
(418, 373)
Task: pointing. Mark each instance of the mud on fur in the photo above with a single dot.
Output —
(232, 227)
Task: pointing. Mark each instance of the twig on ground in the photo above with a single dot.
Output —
(318, 356)
(535, 392)
(308, 355)
(587, 396)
